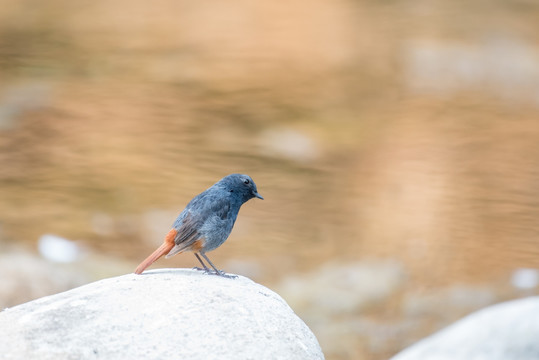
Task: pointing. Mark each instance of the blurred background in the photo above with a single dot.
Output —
(396, 144)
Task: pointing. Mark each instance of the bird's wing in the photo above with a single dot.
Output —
(197, 216)
(220, 208)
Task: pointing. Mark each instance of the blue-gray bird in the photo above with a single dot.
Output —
(206, 222)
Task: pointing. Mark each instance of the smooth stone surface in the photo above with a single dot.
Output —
(504, 331)
(165, 313)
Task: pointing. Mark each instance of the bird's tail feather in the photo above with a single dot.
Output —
(167, 245)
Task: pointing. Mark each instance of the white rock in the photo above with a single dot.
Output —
(505, 331)
(57, 249)
(525, 278)
(162, 314)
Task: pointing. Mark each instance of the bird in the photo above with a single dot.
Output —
(206, 222)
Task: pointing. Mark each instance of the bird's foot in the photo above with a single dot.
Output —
(219, 273)
(225, 275)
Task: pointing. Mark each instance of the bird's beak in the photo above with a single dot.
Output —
(256, 194)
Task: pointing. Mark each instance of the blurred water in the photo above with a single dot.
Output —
(393, 131)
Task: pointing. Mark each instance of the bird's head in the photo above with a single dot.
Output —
(242, 186)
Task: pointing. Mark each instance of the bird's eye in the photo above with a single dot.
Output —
(246, 181)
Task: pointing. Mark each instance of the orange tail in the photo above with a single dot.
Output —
(161, 250)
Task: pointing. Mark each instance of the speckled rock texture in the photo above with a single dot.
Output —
(161, 314)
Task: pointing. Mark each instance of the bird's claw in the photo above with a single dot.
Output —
(228, 276)
(218, 273)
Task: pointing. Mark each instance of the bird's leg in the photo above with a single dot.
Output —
(217, 271)
(206, 269)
